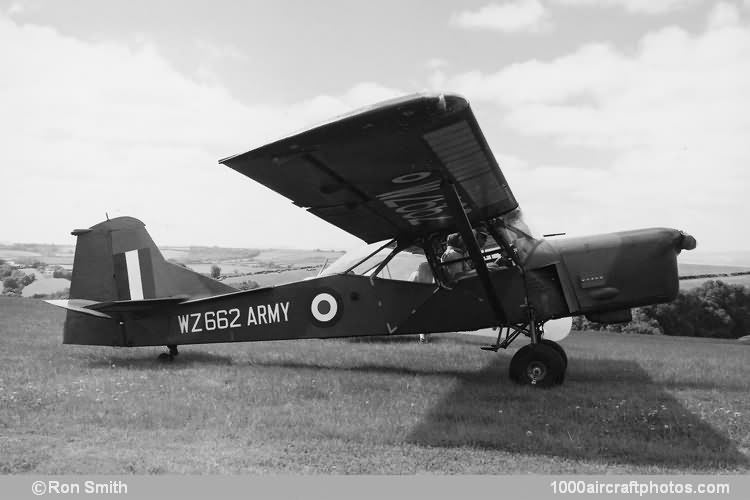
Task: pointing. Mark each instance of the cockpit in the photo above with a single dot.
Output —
(389, 260)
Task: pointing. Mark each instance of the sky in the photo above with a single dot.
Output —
(604, 115)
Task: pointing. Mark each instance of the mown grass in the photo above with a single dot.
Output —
(630, 404)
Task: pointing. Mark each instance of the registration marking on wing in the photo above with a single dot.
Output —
(420, 202)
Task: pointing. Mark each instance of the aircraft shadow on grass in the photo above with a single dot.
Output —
(186, 359)
(369, 368)
(607, 410)
(637, 422)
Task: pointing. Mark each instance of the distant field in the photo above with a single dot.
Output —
(226, 267)
(46, 286)
(15, 254)
(58, 260)
(45, 252)
(701, 269)
(272, 278)
(693, 269)
(630, 404)
(298, 257)
(179, 255)
(728, 258)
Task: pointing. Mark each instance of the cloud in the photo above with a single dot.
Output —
(724, 14)
(438, 63)
(672, 116)
(509, 17)
(633, 6)
(95, 127)
(16, 8)
(226, 51)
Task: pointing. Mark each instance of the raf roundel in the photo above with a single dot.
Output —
(409, 178)
(325, 308)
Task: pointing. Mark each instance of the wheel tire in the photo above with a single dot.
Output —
(537, 364)
(562, 354)
(559, 350)
(515, 366)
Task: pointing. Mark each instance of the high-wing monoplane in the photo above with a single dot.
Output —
(409, 177)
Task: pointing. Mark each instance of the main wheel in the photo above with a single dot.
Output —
(559, 350)
(537, 364)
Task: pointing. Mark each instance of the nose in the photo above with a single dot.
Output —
(686, 241)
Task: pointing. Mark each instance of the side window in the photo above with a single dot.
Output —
(407, 266)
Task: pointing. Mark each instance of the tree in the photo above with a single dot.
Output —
(713, 309)
(62, 273)
(215, 271)
(5, 270)
(27, 279)
(248, 285)
(10, 284)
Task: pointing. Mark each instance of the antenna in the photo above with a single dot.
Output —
(106, 215)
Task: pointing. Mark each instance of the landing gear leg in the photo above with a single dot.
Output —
(542, 363)
(168, 356)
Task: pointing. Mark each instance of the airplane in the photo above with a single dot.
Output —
(404, 175)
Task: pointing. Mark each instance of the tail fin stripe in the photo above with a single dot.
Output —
(147, 273)
(133, 265)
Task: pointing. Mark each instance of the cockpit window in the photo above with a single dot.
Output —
(366, 260)
(355, 258)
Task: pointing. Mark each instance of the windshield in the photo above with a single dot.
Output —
(516, 232)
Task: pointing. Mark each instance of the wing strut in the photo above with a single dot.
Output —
(464, 228)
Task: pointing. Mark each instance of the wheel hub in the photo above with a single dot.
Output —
(536, 371)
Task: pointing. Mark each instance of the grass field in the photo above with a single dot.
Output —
(630, 404)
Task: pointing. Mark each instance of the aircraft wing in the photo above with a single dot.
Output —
(376, 173)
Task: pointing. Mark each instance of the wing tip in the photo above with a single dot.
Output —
(457, 102)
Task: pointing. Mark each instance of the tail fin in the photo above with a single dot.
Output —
(117, 261)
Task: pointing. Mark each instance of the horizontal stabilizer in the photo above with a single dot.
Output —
(104, 309)
(126, 306)
(80, 306)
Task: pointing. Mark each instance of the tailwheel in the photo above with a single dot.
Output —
(168, 356)
(538, 364)
(164, 357)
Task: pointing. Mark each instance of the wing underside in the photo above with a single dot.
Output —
(377, 173)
